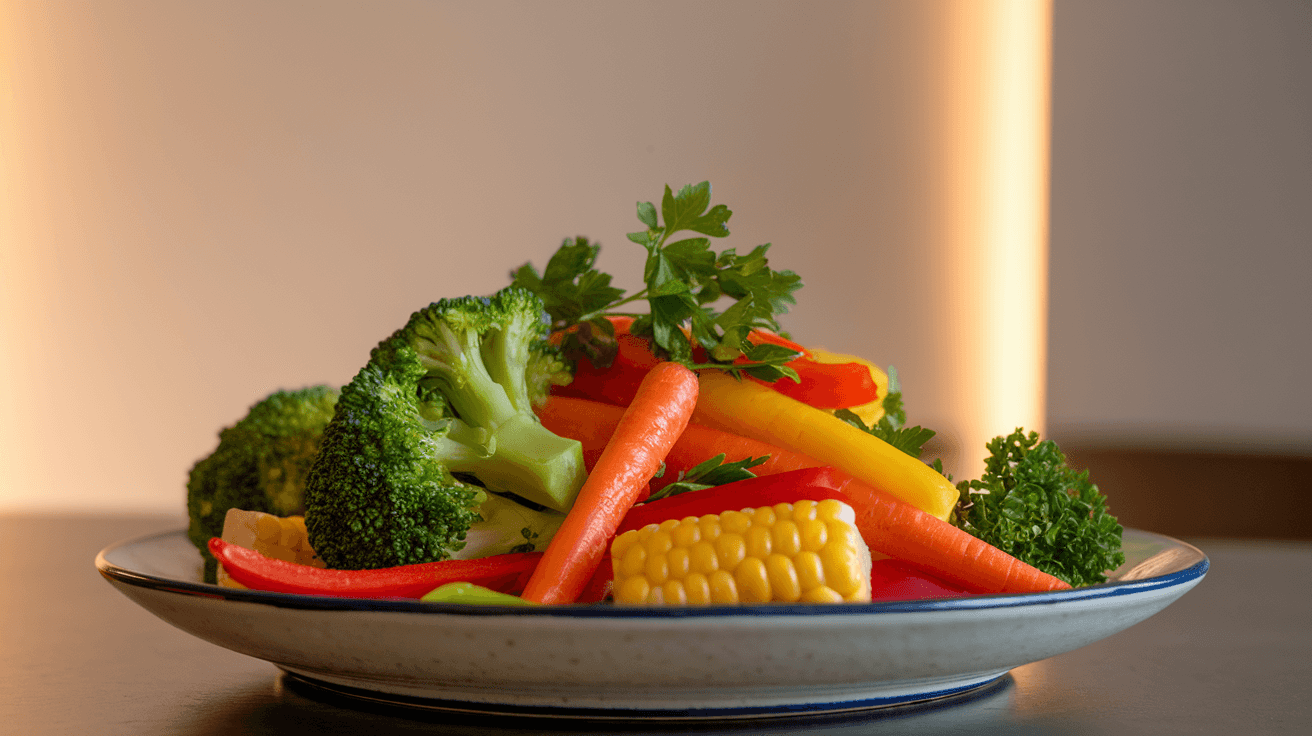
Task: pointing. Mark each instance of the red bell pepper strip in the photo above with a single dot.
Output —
(896, 580)
(503, 573)
(819, 384)
(822, 385)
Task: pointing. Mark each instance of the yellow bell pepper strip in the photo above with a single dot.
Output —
(753, 410)
(506, 573)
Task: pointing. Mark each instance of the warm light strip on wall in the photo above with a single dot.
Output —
(9, 257)
(998, 85)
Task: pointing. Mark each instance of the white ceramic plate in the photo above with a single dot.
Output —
(603, 661)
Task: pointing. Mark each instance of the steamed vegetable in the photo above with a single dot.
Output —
(786, 552)
(260, 464)
(752, 410)
(503, 573)
(650, 425)
(1032, 505)
(439, 417)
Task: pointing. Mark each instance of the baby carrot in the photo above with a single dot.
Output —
(902, 531)
(653, 422)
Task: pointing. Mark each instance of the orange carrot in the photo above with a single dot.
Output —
(888, 524)
(650, 426)
(593, 422)
(896, 528)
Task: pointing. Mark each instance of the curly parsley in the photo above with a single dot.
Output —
(1032, 505)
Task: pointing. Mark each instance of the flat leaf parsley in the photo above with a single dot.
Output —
(683, 279)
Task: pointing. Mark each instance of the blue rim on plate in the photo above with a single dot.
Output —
(1193, 572)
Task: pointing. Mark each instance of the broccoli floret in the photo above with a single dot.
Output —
(260, 464)
(439, 417)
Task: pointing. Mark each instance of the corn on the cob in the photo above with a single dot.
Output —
(808, 551)
(282, 538)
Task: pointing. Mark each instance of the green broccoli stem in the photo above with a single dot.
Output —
(508, 527)
(526, 459)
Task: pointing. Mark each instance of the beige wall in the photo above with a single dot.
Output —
(209, 201)
(1181, 279)
(203, 202)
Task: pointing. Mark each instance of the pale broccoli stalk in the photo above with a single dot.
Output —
(429, 426)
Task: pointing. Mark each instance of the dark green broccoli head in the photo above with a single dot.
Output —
(442, 410)
(260, 464)
(379, 495)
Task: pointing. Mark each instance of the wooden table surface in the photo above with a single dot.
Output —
(1233, 656)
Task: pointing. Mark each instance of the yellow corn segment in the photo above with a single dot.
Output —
(808, 551)
(282, 538)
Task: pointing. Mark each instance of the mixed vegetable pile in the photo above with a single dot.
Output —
(552, 444)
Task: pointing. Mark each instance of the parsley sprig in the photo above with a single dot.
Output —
(708, 474)
(1032, 505)
(891, 426)
(684, 278)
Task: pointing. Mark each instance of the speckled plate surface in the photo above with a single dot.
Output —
(603, 661)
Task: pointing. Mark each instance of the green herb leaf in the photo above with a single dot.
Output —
(683, 280)
(572, 290)
(889, 428)
(708, 474)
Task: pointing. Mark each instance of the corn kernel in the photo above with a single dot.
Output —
(840, 564)
(634, 560)
(686, 534)
(633, 590)
(698, 590)
(810, 570)
(622, 544)
(281, 538)
(710, 527)
(813, 534)
(753, 582)
(783, 511)
(840, 534)
(703, 559)
(783, 578)
(723, 588)
(660, 542)
(734, 522)
(730, 550)
(679, 563)
(758, 539)
(786, 540)
(657, 568)
(674, 593)
(821, 594)
(804, 510)
(832, 509)
(764, 517)
(668, 524)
